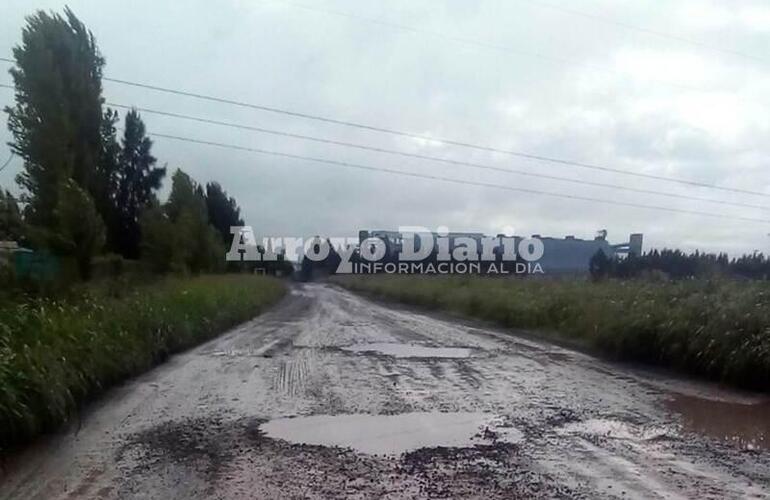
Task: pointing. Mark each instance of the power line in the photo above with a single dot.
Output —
(450, 179)
(427, 157)
(646, 31)
(399, 133)
(411, 135)
(7, 162)
(477, 43)
(435, 34)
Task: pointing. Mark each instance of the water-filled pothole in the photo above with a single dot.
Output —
(393, 434)
(746, 426)
(616, 429)
(410, 350)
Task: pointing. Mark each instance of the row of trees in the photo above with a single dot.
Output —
(84, 190)
(677, 264)
(190, 230)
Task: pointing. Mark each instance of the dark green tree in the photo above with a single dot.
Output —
(80, 232)
(600, 265)
(184, 228)
(56, 122)
(182, 196)
(223, 211)
(159, 239)
(11, 224)
(106, 182)
(137, 181)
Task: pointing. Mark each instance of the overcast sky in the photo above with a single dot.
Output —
(512, 74)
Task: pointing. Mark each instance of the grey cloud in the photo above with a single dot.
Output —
(576, 107)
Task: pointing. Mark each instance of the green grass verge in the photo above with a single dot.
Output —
(55, 355)
(715, 329)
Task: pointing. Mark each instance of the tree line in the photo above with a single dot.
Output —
(86, 190)
(680, 265)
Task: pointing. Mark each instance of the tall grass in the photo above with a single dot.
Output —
(715, 329)
(54, 355)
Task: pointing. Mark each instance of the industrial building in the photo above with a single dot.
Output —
(572, 255)
(568, 255)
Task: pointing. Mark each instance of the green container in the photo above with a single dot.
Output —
(37, 266)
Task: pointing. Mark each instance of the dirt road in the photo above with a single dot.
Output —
(389, 403)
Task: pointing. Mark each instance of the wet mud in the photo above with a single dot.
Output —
(745, 425)
(332, 396)
(392, 434)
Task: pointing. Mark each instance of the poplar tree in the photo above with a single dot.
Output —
(57, 128)
(137, 180)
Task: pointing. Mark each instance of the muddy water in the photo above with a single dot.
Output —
(393, 434)
(617, 429)
(410, 350)
(333, 396)
(740, 424)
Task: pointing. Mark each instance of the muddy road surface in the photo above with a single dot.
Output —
(330, 396)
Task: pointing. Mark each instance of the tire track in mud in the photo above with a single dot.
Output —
(293, 373)
(190, 429)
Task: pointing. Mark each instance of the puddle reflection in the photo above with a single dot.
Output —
(410, 350)
(745, 425)
(393, 434)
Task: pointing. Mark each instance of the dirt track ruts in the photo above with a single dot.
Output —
(191, 428)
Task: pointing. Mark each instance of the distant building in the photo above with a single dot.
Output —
(567, 255)
(571, 255)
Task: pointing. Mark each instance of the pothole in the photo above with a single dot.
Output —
(393, 434)
(615, 429)
(746, 426)
(410, 350)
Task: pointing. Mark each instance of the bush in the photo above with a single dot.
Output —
(715, 329)
(113, 266)
(56, 354)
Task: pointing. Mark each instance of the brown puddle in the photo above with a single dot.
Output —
(410, 350)
(392, 434)
(746, 426)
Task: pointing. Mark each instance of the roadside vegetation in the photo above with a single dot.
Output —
(100, 279)
(57, 354)
(719, 329)
(86, 192)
